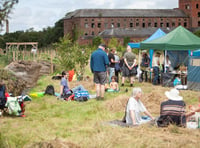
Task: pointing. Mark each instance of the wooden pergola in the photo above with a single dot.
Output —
(10, 44)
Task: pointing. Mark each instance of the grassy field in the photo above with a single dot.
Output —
(58, 123)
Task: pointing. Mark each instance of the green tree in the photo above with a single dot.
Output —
(5, 9)
(113, 43)
(72, 56)
(96, 41)
(126, 40)
(197, 33)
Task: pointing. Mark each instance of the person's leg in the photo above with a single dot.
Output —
(146, 76)
(98, 90)
(123, 79)
(102, 87)
(111, 73)
(155, 79)
(141, 76)
(131, 79)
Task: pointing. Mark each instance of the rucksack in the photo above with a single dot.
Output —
(49, 90)
(2, 97)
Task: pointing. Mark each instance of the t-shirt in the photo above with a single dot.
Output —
(111, 56)
(64, 83)
(130, 57)
(156, 62)
(137, 107)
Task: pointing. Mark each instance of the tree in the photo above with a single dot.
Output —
(71, 55)
(5, 9)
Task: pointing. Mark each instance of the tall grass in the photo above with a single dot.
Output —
(86, 123)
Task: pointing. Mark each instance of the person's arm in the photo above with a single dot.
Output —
(132, 115)
(149, 114)
(134, 63)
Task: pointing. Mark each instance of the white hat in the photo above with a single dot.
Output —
(173, 94)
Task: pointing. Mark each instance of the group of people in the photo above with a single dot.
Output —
(103, 65)
(172, 110)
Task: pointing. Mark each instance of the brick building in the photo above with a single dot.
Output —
(115, 22)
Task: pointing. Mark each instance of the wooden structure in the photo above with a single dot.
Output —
(17, 44)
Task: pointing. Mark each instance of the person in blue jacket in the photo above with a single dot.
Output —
(98, 64)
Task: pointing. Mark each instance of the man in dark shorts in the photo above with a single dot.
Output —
(98, 64)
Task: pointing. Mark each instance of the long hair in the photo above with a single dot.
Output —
(135, 91)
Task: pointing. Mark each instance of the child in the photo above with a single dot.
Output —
(113, 84)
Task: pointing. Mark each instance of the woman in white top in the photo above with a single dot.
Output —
(135, 107)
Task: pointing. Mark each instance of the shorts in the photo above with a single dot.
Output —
(100, 77)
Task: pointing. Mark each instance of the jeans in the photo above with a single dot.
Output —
(111, 73)
(156, 75)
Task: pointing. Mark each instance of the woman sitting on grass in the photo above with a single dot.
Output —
(134, 109)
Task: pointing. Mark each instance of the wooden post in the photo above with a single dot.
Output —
(13, 55)
(51, 63)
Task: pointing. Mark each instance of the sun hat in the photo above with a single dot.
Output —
(173, 94)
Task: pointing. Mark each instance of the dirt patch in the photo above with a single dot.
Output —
(57, 143)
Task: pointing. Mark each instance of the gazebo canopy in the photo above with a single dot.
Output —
(178, 39)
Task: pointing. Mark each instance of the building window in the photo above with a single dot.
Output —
(198, 14)
(155, 25)
(92, 19)
(199, 23)
(93, 25)
(112, 25)
(179, 24)
(173, 24)
(99, 25)
(85, 20)
(86, 34)
(185, 24)
(137, 24)
(118, 25)
(86, 25)
(187, 7)
(106, 25)
(143, 25)
(131, 25)
(124, 20)
(92, 32)
(161, 25)
(167, 24)
(149, 24)
(197, 6)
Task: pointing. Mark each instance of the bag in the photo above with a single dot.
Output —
(50, 90)
(81, 99)
(2, 97)
(13, 106)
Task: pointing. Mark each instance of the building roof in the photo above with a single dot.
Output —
(125, 13)
(138, 32)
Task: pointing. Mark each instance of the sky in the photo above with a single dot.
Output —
(40, 14)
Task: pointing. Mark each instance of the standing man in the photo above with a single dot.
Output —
(111, 58)
(98, 64)
(156, 69)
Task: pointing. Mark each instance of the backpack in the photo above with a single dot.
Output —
(2, 97)
(49, 90)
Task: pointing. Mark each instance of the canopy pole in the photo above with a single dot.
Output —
(139, 65)
(165, 68)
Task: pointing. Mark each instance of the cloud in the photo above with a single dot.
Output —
(39, 14)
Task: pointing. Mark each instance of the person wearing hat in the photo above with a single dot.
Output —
(156, 70)
(98, 65)
(172, 111)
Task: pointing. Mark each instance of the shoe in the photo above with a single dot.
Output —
(98, 98)
(131, 85)
(126, 90)
(122, 84)
(23, 115)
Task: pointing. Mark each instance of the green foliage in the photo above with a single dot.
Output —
(197, 33)
(71, 55)
(126, 40)
(113, 42)
(96, 41)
